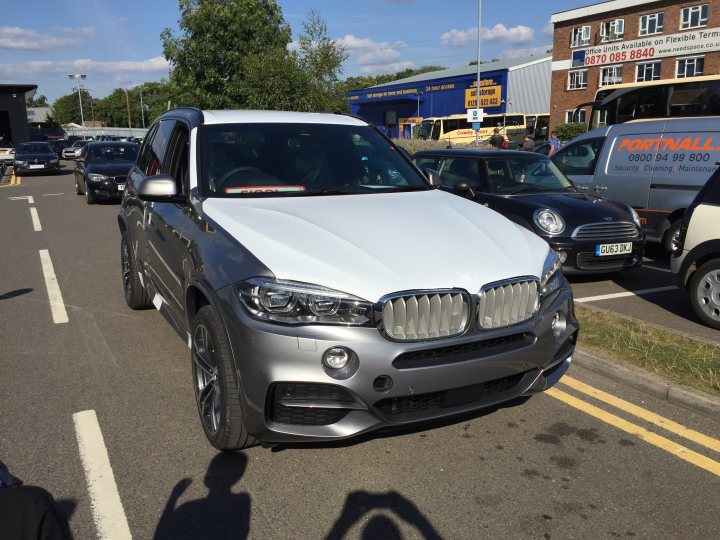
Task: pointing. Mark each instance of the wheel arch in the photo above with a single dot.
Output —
(698, 256)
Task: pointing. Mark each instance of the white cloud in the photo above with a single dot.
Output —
(123, 19)
(37, 68)
(393, 67)
(14, 37)
(529, 51)
(517, 35)
(548, 29)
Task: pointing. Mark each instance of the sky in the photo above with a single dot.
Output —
(117, 44)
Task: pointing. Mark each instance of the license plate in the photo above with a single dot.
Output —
(37, 166)
(121, 187)
(613, 249)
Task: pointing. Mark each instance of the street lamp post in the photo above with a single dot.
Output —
(142, 109)
(127, 101)
(79, 77)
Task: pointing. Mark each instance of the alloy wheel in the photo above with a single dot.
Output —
(207, 389)
(708, 294)
(125, 254)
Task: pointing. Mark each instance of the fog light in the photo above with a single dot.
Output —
(563, 256)
(559, 325)
(336, 357)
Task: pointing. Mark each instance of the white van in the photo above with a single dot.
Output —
(655, 166)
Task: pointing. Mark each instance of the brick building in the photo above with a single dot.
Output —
(627, 41)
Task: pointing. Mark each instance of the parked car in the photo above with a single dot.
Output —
(59, 145)
(590, 234)
(696, 262)
(320, 304)
(35, 157)
(101, 171)
(7, 152)
(74, 151)
(656, 166)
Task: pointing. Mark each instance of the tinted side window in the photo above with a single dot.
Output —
(461, 169)
(157, 147)
(178, 158)
(144, 153)
(579, 158)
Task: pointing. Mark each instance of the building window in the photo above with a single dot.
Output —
(610, 75)
(690, 67)
(577, 80)
(612, 30)
(581, 117)
(693, 17)
(648, 71)
(580, 36)
(651, 24)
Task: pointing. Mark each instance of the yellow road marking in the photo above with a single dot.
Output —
(648, 436)
(651, 417)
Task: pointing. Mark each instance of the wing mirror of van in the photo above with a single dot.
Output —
(433, 177)
(160, 188)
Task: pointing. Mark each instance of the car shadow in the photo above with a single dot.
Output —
(15, 293)
(220, 514)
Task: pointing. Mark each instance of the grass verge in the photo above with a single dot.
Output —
(684, 360)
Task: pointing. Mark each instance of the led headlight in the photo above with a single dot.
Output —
(97, 177)
(291, 302)
(549, 221)
(635, 217)
(551, 278)
(19, 162)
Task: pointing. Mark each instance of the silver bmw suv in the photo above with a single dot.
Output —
(323, 285)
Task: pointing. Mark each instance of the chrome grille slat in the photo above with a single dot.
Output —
(506, 304)
(421, 315)
(620, 230)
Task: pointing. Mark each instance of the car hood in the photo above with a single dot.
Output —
(375, 244)
(575, 206)
(30, 157)
(109, 169)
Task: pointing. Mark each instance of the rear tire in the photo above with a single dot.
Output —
(671, 240)
(705, 293)
(136, 296)
(217, 389)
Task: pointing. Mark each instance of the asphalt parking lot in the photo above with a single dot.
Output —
(97, 407)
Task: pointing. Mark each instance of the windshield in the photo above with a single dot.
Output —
(240, 160)
(27, 148)
(112, 152)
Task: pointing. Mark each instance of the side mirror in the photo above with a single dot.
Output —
(160, 188)
(463, 188)
(433, 177)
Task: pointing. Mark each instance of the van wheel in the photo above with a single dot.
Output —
(671, 240)
(705, 293)
(217, 389)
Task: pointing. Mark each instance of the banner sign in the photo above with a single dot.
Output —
(490, 95)
(644, 49)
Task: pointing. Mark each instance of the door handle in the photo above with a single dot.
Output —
(600, 188)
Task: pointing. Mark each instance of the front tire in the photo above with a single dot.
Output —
(705, 293)
(217, 389)
(89, 197)
(136, 296)
(78, 191)
(671, 240)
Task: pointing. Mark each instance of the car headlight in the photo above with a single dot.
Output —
(551, 278)
(549, 221)
(97, 177)
(54, 162)
(291, 302)
(19, 162)
(635, 217)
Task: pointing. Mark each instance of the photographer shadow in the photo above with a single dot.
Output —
(221, 514)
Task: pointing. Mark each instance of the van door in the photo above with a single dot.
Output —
(686, 157)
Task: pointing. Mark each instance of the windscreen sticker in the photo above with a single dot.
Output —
(672, 154)
(264, 189)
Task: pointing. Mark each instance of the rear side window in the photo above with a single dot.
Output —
(579, 158)
(460, 169)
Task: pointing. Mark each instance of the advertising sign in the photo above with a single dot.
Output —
(644, 49)
(490, 95)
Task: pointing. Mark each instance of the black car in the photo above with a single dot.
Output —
(101, 171)
(35, 157)
(591, 234)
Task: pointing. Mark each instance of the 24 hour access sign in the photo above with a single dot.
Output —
(685, 43)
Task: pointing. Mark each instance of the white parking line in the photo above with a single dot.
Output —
(624, 294)
(108, 513)
(35, 219)
(52, 194)
(57, 306)
(28, 198)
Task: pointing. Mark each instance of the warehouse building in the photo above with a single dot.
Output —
(506, 86)
(13, 114)
(629, 41)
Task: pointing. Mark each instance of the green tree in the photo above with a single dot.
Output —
(66, 109)
(566, 132)
(39, 101)
(216, 36)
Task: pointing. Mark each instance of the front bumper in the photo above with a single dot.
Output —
(46, 168)
(290, 397)
(106, 189)
(581, 258)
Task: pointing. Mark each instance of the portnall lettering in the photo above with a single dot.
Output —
(670, 144)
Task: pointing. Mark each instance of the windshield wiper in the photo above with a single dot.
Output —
(523, 189)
